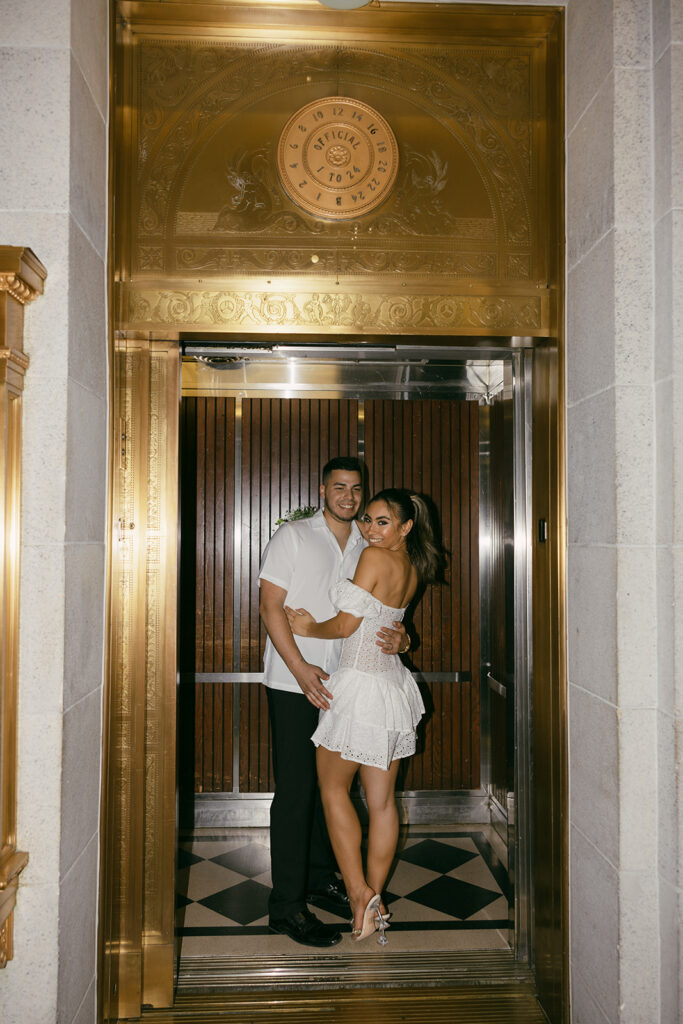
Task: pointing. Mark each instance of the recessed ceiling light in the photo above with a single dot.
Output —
(343, 5)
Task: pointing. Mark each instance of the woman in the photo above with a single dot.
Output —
(376, 704)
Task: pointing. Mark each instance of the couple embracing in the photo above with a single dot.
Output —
(333, 592)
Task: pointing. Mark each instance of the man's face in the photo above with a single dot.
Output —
(342, 495)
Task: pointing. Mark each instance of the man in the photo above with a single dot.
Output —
(300, 563)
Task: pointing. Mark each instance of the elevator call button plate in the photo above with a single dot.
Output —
(337, 158)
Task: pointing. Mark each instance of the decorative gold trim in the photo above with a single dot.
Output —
(390, 313)
(21, 280)
(23, 275)
(17, 288)
(13, 366)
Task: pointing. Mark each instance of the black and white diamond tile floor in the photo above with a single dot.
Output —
(448, 890)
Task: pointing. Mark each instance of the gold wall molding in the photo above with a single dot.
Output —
(17, 288)
(21, 281)
(312, 311)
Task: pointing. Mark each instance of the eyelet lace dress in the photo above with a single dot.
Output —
(377, 703)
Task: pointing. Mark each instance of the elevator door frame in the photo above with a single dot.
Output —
(548, 915)
(459, 806)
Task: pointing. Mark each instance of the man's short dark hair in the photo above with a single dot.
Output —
(346, 462)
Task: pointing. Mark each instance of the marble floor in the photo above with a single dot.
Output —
(448, 891)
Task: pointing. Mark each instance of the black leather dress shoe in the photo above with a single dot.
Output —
(304, 927)
(333, 898)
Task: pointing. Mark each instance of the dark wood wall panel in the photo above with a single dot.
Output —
(285, 444)
(429, 446)
(213, 737)
(215, 482)
(256, 769)
(432, 447)
(209, 468)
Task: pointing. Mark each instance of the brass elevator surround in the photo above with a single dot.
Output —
(204, 241)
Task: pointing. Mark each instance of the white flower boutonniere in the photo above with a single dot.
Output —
(292, 514)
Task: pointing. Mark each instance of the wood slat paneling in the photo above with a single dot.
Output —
(208, 473)
(429, 446)
(285, 444)
(432, 447)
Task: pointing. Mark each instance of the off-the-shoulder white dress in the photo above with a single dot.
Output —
(376, 702)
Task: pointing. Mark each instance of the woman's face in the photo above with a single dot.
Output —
(381, 527)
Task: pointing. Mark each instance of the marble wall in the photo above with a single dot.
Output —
(623, 467)
(53, 165)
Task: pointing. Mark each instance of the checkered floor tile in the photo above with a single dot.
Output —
(442, 880)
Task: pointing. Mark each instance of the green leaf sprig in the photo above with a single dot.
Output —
(303, 512)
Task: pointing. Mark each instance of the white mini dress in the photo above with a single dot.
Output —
(376, 702)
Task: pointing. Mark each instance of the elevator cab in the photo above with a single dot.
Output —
(258, 421)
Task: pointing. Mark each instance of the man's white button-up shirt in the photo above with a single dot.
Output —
(304, 558)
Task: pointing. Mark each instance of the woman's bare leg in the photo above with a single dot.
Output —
(379, 786)
(335, 776)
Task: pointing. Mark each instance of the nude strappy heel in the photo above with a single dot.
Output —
(373, 920)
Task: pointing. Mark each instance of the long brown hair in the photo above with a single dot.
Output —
(424, 550)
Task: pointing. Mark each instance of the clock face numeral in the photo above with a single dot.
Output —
(347, 153)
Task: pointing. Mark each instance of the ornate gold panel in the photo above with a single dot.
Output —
(208, 236)
(161, 309)
(21, 280)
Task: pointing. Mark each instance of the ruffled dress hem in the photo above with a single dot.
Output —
(371, 719)
(376, 702)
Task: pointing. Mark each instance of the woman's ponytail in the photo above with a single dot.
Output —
(424, 550)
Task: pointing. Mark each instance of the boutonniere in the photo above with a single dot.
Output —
(292, 514)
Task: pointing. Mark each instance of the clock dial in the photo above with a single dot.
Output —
(337, 158)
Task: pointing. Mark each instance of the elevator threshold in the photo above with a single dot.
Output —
(507, 1004)
(351, 971)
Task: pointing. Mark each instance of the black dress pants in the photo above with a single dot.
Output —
(301, 855)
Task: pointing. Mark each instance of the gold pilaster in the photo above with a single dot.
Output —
(21, 280)
(140, 790)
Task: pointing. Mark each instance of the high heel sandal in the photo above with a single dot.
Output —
(370, 915)
(373, 920)
(382, 925)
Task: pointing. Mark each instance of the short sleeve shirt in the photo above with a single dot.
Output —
(304, 558)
